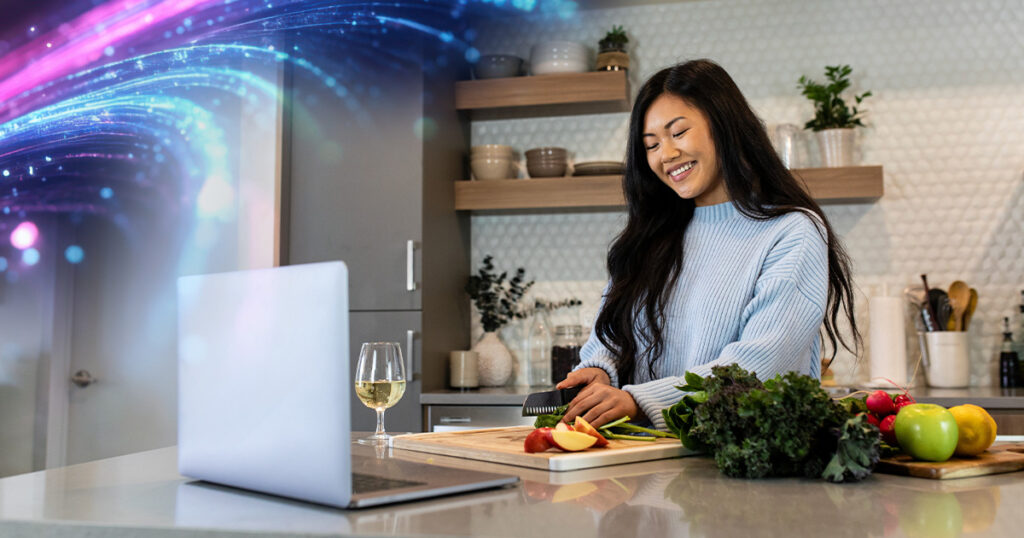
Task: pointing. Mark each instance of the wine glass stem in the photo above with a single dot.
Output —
(380, 424)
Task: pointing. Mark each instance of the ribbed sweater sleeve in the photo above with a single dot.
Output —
(751, 292)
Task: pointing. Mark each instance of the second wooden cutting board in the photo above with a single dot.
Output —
(505, 445)
(996, 460)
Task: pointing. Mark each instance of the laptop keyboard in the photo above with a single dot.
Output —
(366, 483)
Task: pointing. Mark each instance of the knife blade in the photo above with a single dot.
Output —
(543, 403)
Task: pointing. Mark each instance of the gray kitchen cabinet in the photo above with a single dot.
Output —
(368, 179)
(403, 327)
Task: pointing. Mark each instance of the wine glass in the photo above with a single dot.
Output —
(380, 382)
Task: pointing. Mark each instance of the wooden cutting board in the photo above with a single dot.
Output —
(505, 445)
(996, 460)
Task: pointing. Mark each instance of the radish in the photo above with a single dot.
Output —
(880, 403)
(903, 400)
(888, 433)
(873, 420)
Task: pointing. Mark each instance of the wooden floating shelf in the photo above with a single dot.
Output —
(562, 93)
(849, 185)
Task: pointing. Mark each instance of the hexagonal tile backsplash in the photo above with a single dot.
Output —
(946, 121)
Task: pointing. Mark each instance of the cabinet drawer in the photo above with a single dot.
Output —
(464, 417)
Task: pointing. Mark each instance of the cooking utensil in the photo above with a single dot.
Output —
(939, 301)
(971, 306)
(541, 403)
(959, 298)
(929, 313)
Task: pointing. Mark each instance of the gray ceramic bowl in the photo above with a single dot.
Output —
(498, 66)
(546, 169)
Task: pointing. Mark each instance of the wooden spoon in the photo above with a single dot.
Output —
(971, 306)
(959, 298)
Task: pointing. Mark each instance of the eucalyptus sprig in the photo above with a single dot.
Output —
(495, 297)
(543, 305)
(830, 111)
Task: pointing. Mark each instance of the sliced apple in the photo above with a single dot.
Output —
(583, 426)
(570, 441)
(564, 427)
(537, 440)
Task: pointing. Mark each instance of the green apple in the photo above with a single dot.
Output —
(926, 431)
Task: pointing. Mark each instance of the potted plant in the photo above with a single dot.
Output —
(612, 54)
(834, 120)
(496, 299)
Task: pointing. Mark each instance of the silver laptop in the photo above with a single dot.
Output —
(263, 393)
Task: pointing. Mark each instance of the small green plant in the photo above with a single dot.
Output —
(615, 39)
(544, 305)
(830, 111)
(495, 297)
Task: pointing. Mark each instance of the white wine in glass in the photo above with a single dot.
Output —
(380, 382)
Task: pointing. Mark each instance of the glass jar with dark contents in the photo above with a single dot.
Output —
(565, 350)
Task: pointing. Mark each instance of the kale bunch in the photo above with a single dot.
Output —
(786, 426)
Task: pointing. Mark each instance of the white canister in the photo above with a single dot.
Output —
(888, 341)
(948, 360)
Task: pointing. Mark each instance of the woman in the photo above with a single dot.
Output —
(724, 258)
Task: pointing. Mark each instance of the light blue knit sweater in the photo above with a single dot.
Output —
(751, 292)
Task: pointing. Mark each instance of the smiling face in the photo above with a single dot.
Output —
(680, 151)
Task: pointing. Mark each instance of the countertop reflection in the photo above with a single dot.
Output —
(677, 497)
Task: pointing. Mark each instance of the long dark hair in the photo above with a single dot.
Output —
(646, 257)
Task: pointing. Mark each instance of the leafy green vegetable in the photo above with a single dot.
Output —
(857, 452)
(550, 421)
(786, 426)
(616, 429)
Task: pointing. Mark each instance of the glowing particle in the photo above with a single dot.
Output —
(31, 170)
(109, 51)
(24, 235)
(31, 28)
(74, 254)
(7, 173)
(148, 18)
(106, 193)
(472, 55)
(447, 37)
(3, 264)
(49, 45)
(30, 256)
(7, 210)
(48, 159)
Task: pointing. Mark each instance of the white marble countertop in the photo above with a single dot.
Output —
(143, 495)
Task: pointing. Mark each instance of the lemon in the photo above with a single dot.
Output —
(977, 429)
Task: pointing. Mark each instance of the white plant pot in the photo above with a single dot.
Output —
(836, 147)
(494, 362)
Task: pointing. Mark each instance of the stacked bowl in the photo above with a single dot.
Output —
(547, 162)
(491, 161)
(558, 57)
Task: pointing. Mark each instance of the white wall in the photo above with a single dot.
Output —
(946, 121)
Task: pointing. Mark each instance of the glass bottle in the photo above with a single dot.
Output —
(1008, 360)
(538, 349)
(565, 350)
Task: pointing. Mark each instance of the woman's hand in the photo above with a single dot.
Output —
(585, 376)
(600, 404)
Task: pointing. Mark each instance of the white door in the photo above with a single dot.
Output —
(113, 380)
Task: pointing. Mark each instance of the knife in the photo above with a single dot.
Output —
(544, 403)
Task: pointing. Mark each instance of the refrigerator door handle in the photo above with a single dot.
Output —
(410, 266)
(410, 341)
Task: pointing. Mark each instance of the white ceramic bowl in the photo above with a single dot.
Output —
(485, 168)
(491, 150)
(558, 57)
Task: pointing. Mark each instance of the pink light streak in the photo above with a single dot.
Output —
(77, 44)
